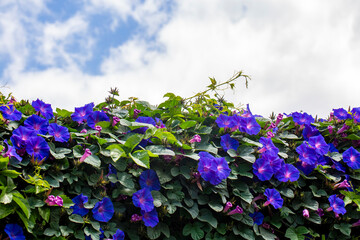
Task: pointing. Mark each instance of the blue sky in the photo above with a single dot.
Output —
(300, 55)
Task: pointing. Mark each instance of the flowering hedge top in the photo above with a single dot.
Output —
(128, 170)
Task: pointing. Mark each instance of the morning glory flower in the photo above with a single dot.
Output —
(78, 208)
(310, 131)
(212, 169)
(237, 209)
(229, 143)
(262, 169)
(257, 217)
(356, 114)
(52, 200)
(119, 235)
(306, 213)
(273, 198)
(9, 112)
(306, 153)
(151, 218)
(96, 117)
(148, 120)
(14, 231)
(305, 167)
(81, 113)
(302, 118)
(341, 114)
(288, 173)
(103, 211)
(275, 162)
(21, 135)
(250, 126)
(11, 152)
(319, 144)
(268, 145)
(196, 138)
(336, 204)
(224, 121)
(60, 133)
(43, 108)
(38, 147)
(149, 179)
(143, 199)
(37, 124)
(352, 158)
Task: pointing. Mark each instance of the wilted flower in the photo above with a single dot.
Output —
(103, 211)
(143, 199)
(320, 212)
(14, 231)
(270, 134)
(136, 112)
(149, 179)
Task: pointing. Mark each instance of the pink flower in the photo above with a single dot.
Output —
(270, 134)
(238, 209)
(330, 128)
(306, 213)
(196, 138)
(59, 201)
(343, 184)
(135, 218)
(227, 207)
(278, 119)
(52, 200)
(136, 112)
(86, 154)
(115, 121)
(83, 131)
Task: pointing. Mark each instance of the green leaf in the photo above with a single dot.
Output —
(251, 142)
(22, 203)
(93, 160)
(160, 150)
(266, 234)
(76, 218)
(116, 152)
(188, 124)
(287, 192)
(63, 113)
(45, 213)
(345, 228)
(353, 137)
(205, 215)
(5, 210)
(4, 162)
(141, 158)
(194, 230)
(194, 210)
(67, 202)
(291, 234)
(207, 147)
(133, 141)
(6, 198)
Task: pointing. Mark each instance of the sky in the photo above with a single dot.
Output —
(300, 55)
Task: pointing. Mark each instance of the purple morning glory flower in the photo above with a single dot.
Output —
(11, 152)
(9, 112)
(148, 120)
(43, 108)
(60, 133)
(356, 114)
(37, 124)
(81, 113)
(338, 166)
(341, 114)
(250, 126)
(337, 204)
(273, 198)
(306, 153)
(268, 145)
(78, 208)
(159, 123)
(212, 169)
(119, 235)
(257, 217)
(14, 231)
(262, 169)
(229, 143)
(310, 131)
(96, 117)
(352, 158)
(274, 160)
(319, 144)
(38, 147)
(302, 118)
(21, 135)
(224, 121)
(149, 179)
(151, 218)
(305, 167)
(143, 199)
(103, 211)
(288, 173)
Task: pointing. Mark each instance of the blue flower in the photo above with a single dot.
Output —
(352, 158)
(60, 133)
(148, 120)
(38, 147)
(14, 231)
(21, 135)
(306, 153)
(319, 144)
(143, 199)
(151, 218)
(119, 235)
(43, 108)
(37, 124)
(149, 179)
(229, 143)
(257, 217)
(103, 210)
(81, 114)
(212, 169)
(268, 145)
(273, 198)
(9, 112)
(96, 117)
(78, 208)
(262, 169)
(11, 152)
(337, 204)
(224, 121)
(302, 118)
(288, 173)
(341, 114)
(250, 126)
(310, 131)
